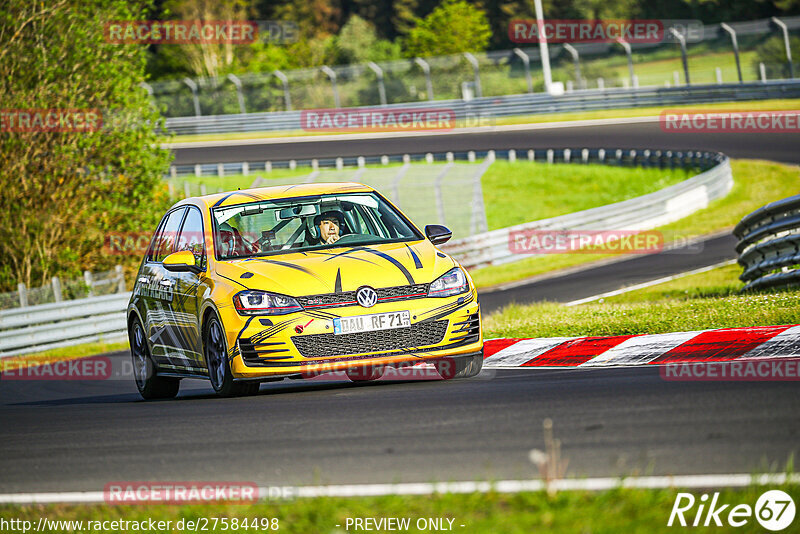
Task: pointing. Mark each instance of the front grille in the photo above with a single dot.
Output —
(418, 335)
(348, 298)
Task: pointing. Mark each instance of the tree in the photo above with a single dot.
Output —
(453, 27)
(63, 191)
(358, 42)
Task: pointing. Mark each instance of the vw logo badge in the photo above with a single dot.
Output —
(366, 296)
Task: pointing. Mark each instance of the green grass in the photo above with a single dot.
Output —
(614, 511)
(523, 191)
(752, 105)
(755, 183)
(64, 353)
(695, 302)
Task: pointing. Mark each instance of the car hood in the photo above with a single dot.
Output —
(339, 269)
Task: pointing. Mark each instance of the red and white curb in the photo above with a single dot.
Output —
(721, 345)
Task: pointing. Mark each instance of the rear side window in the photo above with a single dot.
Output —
(164, 244)
(191, 237)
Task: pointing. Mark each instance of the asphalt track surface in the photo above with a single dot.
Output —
(72, 436)
(783, 147)
(81, 435)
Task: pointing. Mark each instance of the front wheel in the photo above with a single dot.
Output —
(219, 369)
(460, 367)
(149, 384)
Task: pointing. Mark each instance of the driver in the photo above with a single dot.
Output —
(328, 225)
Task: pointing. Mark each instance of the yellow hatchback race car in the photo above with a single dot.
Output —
(294, 281)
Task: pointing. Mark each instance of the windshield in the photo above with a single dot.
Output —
(309, 223)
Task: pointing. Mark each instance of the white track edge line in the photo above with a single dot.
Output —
(650, 283)
(501, 486)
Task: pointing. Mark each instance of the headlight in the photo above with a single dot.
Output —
(263, 303)
(450, 283)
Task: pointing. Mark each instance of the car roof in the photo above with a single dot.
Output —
(242, 196)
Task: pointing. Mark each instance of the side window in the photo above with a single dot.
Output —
(167, 236)
(191, 237)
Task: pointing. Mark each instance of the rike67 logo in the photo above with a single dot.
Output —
(774, 510)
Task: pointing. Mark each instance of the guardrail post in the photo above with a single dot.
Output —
(23, 295)
(193, 86)
(762, 69)
(287, 98)
(682, 40)
(381, 86)
(780, 24)
(549, 155)
(735, 44)
(292, 164)
(87, 278)
(575, 59)
(531, 155)
(601, 84)
(526, 61)
(426, 69)
(220, 170)
(471, 156)
(245, 168)
(567, 155)
(474, 62)
(339, 164)
(56, 283)
(512, 155)
(186, 191)
(718, 72)
(120, 279)
(198, 169)
(329, 72)
(384, 160)
(628, 53)
(239, 94)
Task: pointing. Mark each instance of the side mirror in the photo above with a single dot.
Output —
(438, 234)
(181, 262)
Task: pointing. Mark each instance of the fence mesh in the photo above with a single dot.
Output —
(501, 73)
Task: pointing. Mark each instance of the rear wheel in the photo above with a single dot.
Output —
(149, 384)
(463, 367)
(364, 373)
(219, 369)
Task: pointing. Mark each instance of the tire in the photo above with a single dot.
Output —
(460, 367)
(219, 369)
(364, 373)
(150, 385)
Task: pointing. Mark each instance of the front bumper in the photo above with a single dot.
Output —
(267, 347)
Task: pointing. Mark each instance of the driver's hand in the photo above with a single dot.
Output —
(333, 238)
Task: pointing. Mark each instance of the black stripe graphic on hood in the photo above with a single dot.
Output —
(386, 257)
(417, 263)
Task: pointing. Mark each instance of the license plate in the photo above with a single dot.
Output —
(372, 322)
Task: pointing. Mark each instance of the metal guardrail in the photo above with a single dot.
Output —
(63, 324)
(769, 245)
(641, 213)
(503, 106)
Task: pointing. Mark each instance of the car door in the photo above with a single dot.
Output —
(159, 293)
(189, 288)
